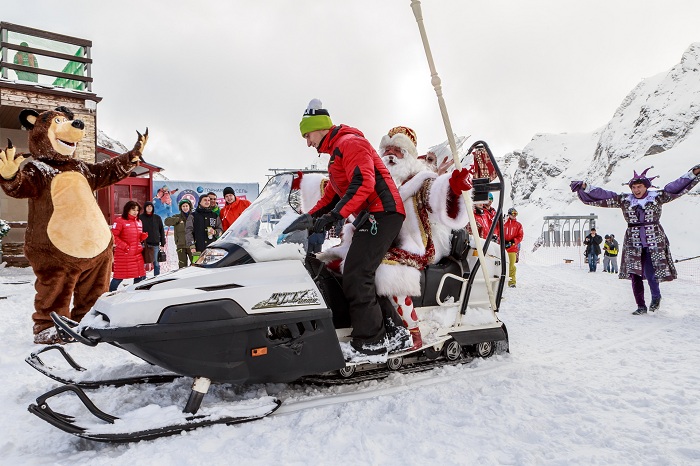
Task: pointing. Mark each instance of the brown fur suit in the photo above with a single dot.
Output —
(68, 242)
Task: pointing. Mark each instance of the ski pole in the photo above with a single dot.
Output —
(435, 80)
(686, 259)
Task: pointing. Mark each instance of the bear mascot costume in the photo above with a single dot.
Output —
(68, 243)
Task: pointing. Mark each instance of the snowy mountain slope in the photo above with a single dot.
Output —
(103, 140)
(656, 125)
(656, 116)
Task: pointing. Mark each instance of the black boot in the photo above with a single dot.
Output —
(641, 310)
(654, 306)
(398, 337)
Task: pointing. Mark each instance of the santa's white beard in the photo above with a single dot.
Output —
(403, 169)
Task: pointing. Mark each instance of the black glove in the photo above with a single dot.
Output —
(326, 221)
(302, 222)
(508, 244)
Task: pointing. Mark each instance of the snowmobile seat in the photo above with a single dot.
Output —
(460, 244)
(453, 263)
(430, 281)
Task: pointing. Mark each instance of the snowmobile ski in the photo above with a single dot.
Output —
(151, 374)
(116, 430)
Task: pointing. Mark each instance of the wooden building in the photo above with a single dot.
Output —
(42, 70)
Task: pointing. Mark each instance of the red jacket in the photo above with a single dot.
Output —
(359, 179)
(513, 231)
(483, 222)
(230, 212)
(128, 261)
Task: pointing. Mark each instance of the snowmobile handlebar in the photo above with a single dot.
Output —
(65, 328)
(302, 222)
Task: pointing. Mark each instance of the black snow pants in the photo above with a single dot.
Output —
(364, 256)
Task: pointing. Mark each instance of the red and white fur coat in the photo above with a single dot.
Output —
(422, 191)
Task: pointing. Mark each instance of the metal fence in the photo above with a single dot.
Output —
(688, 267)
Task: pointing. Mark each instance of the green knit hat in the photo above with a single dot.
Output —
(315, 118)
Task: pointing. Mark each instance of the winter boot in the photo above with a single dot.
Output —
(47, 336)
(398, 339)
(641, 310)
(416, 338)
(654, 306)
(357, 350)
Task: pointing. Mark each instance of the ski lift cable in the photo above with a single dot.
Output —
(435, 80)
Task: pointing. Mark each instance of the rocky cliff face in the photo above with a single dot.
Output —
(656, 116)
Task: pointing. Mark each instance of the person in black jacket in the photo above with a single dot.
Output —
(153, 225)
(592, 242)
(203, 227)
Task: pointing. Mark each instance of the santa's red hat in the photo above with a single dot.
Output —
(402, 137)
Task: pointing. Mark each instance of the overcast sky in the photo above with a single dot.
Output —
(222, 85)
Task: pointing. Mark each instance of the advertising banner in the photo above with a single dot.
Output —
(168, 193)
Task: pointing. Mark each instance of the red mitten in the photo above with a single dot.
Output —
(460, 181)
(296, 182)
(143, 236)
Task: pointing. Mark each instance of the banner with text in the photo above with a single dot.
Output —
(167, 194)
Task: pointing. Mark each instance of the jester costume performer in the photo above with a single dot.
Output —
(646, 253)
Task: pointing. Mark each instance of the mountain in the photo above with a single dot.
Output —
(103, 140)
(655, 125)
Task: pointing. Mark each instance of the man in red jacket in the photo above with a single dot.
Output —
(513, 236)
(233, 209)
(360, 185)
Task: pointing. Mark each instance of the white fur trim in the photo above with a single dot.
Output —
(410, 187)
(398, 279)
(339, 251)
(399, 140)
(438, 203)
(310, 187)
(442, 240)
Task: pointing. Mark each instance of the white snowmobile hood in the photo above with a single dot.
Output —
(258, 288)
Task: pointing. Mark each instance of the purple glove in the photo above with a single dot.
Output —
(576, 186)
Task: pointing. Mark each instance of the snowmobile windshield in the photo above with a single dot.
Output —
(259, 228)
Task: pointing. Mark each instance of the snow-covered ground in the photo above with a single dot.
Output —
(585, 383)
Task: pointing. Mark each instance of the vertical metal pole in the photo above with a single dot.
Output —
(3, 58)
(435, 80)
(88, 68)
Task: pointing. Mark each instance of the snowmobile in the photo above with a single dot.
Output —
(255, 308)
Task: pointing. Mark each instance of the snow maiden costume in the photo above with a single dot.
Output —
(646, 252)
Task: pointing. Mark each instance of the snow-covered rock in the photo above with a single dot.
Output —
(103, 140)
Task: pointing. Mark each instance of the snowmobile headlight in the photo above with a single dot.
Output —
(211, 256)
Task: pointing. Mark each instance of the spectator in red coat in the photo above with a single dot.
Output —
(233, 209)
(128, 235)
(512, 236)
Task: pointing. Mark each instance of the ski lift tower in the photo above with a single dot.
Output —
(566, 230)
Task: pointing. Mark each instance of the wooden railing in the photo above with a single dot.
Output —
(81, 61)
